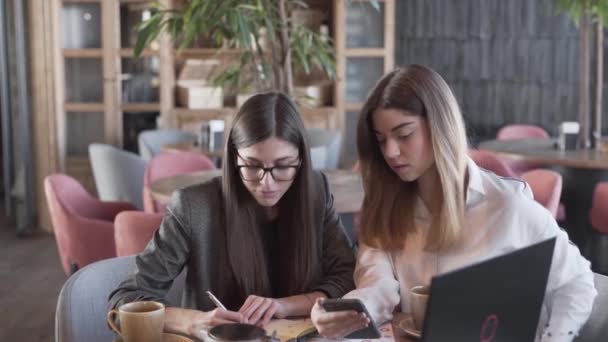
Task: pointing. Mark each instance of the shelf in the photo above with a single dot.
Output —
(206, 53)
(353, 107)
(136, 1)
(219, 112)
(364, 52)
(83, 53)
(130, 53)
(80, 1)
(140, 107)
(84, 107)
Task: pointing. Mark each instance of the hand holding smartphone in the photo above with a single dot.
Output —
(353, 304)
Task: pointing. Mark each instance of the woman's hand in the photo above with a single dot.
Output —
(259, 310)
(337, 324)
(203, 321)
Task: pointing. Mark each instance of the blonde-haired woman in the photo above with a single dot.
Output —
(429, 209)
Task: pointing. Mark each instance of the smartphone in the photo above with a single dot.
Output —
(353, 304)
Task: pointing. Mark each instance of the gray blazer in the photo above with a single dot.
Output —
(192, 236)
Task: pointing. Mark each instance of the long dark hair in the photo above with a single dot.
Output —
(261, 117)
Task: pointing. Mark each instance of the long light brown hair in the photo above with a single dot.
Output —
(388, 208)
(261, 117)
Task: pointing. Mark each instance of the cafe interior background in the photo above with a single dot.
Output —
(72, 75)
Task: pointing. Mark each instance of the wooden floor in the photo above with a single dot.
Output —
(30, 280)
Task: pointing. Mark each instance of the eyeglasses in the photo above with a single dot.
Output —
(280, 173)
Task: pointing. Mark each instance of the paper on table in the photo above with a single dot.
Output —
(290, 329)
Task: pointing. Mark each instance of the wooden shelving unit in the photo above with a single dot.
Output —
(95, 63)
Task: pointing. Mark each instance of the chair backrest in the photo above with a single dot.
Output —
(171, 164)
(596, 328)
(83, 301)
(521, 132)
(119, 175)
(491, 162)
(325, 148)
(133, 230)
(151, 141)
(68, 201)
(546, 186)
(598, 215)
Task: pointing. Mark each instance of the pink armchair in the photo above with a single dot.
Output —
(170, 164)
(491, 162)
(546, 184)
(521, 132)
(83, 225)
(598, 215)
(133, 231)
(547, 188)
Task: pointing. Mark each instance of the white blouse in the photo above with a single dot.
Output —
(501, 216)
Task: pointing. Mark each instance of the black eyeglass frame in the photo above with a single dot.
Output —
(270, 170)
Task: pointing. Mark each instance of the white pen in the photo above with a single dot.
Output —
(216, 301)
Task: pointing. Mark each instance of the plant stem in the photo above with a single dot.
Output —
(583, 113)
(599, 80)
(288, 73)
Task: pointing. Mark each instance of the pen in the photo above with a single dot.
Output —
(216, 301)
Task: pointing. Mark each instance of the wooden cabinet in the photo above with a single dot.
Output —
(108, 96)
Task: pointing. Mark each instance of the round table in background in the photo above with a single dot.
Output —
(190, 147)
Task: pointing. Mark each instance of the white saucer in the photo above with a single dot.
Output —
(407, 326)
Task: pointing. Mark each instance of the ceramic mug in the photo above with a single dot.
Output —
(139, 321)
(419, 296)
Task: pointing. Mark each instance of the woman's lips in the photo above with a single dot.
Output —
(269, 194)
(397, 167)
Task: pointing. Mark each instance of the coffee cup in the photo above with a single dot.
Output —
(139, 321)
(419, 296)
(237, 332)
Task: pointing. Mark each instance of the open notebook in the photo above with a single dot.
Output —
(288, 329)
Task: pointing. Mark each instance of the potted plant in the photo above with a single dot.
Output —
(270, 42)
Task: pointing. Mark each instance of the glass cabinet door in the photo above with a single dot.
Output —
(81, 25)
(364, 25)
(82, 129)
(140, 80)
(83, 79)
(361, 75)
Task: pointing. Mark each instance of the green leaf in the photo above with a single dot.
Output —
(149, 30)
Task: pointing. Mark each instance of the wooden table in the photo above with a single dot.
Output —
(345, 186)
(543, 151)
(190, 147)
(581, 170)
(398, 334)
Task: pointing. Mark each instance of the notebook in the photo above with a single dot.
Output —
(287, 329)
(290, 329)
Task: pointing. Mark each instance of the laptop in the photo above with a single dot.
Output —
(498, 300)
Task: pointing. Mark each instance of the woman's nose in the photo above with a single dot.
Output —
(391, 149)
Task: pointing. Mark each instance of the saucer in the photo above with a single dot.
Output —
(407, 326)
(169, 338)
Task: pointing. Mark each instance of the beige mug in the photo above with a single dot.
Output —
(139, 321)
(419, 296)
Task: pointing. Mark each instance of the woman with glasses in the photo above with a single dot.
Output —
(264, 238)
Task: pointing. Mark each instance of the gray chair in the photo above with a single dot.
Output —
(151, 141)
(83, 301)
(119, 175)
(596, 328)
(324, 148)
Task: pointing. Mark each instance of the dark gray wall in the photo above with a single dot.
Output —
(507, 61)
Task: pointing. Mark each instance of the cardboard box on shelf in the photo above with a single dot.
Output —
(195, 87)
